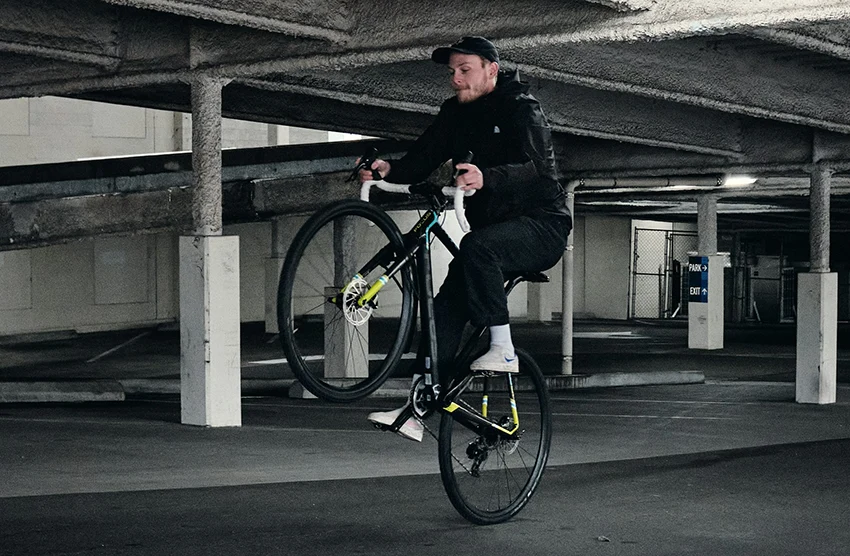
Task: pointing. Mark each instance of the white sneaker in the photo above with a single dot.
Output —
(498, 359)
(411, 429)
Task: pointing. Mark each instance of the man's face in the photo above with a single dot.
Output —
(472, 76)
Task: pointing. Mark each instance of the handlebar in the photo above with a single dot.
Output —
(449, 191)
(371, 154)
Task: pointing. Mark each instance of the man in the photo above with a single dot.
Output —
(518, 216)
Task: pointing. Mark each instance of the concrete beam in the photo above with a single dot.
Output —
(420, 87)
(675, 19)
(141, 44)
(79, 31)
(38, 223)
(303, 110)
(787, 92)
(693, 71)
(830, 38)
(138, 174)
(322, 19)
(766, 148)
(145, 194)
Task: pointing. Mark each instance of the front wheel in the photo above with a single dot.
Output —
(339, 349)
(489, 478)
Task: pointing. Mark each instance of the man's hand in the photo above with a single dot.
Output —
(472, 178)
(382, 166)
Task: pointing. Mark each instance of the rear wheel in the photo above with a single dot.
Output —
(489, 478)
(340, 350)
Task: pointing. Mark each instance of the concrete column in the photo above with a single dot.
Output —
(817, 304)
(707, 225)
(538, 303)
(705, 308)
(206, 155)
(177, 130)
(210, 354)
(819, 204)
(345, 250)
(346, 345)
(210, 358)
(283, 231)
(567, 288)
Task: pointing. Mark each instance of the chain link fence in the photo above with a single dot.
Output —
(659, 272)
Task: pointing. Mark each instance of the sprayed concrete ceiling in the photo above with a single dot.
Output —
(632, 87)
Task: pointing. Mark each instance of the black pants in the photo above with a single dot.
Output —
(474, 289)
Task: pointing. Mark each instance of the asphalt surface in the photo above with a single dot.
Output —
(732, 466)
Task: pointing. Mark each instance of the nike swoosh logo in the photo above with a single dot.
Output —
(510, 360)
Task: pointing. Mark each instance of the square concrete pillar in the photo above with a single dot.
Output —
(539, 303)
(705, 318)
(817, 336)
(210, 358)
(346, 345)
(273, 267)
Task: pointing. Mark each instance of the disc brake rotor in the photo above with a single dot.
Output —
(353, 312)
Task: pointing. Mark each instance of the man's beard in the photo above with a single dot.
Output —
(465, 96)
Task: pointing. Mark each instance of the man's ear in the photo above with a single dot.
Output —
(494, 69)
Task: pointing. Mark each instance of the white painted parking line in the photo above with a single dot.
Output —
(626, 416)
(372, 357)
(672, 402)
(616, 335)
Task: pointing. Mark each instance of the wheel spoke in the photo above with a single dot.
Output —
(513, 466)
(356, 231)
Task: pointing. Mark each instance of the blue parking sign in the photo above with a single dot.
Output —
(698, 279)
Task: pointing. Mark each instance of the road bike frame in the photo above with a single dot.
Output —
(417, 244)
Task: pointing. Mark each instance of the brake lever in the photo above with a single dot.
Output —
(465, 159)
(365, 163)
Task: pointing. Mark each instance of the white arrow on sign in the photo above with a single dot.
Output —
(704, 291)
(705, 268)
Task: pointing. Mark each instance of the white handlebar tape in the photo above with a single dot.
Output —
(455, 192)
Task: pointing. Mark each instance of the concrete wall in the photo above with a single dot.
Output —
(94, 284)
(123, 282)
(53, 129)
(606, 269)
(601, 258)
(115, 282)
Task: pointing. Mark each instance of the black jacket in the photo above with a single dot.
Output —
(511, 143)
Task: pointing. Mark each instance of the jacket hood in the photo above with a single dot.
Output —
(508, 83)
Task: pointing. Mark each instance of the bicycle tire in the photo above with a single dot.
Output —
(502, 485)
(310, 324)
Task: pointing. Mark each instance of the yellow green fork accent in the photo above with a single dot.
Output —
(373, 291)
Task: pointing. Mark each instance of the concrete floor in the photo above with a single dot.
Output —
(732, 466)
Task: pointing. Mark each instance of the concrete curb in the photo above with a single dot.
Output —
(116, 390)
(69, 391)
(613, 380)
(400, 387)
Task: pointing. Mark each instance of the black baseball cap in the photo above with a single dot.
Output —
(467, 45)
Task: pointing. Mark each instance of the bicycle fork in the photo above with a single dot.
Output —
(415, 240)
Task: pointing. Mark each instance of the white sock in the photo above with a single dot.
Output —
(500, 335)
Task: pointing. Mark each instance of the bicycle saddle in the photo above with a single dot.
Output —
(518, 277)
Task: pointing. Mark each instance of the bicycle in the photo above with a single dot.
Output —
(343, 345)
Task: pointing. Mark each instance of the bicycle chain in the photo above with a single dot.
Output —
(454, 457)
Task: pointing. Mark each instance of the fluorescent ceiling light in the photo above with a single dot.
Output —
(738, 181)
